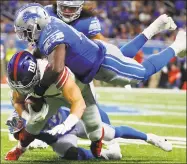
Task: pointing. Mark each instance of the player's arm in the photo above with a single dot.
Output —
(54, 68)
(18, 102)
(94, 29)
(73, 95)
(99, 36)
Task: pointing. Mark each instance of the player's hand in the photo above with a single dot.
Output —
(59, 129)
(35, 117)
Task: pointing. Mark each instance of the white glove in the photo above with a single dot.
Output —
(59, 129)
(67, 125)
(35, 117)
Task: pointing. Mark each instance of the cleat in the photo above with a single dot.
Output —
(162, 23)
(14, 154)
(113, 152)
(179, 45)
(96, 146)
(159, 142)
(37, 144)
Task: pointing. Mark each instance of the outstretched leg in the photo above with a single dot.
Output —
(160, 24)
(120, 70)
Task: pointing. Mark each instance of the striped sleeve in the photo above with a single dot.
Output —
(62, 78)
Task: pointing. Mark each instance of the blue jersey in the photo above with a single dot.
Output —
(57, 119)
(83, 56)
(89, 26)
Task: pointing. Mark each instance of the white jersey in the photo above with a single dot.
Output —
(55, 99)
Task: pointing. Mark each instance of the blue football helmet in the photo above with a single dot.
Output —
(22, 71)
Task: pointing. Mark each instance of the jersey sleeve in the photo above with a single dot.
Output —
(94, 27)
(54, 39)
(63, 77)
(50, 10)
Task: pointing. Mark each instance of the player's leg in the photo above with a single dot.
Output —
(104, 116)
(120, 70)
(66, 146)
(131, 133)
(160, 24)
(92, 121)
(113, 151)
(122, 131)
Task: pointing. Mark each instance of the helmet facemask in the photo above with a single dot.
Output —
(25, 88)
(31, 34)
(70, 11)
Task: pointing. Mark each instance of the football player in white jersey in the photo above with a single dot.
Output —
(24, 72)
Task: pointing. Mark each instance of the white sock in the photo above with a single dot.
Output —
(175, 47)
(148, 32)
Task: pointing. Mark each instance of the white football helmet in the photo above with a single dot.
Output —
(30, 20)
(70, 10)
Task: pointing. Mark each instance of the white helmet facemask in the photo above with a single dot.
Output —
(69, 11)
(29, 22)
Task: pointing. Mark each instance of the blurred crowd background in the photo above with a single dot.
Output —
(121, 21)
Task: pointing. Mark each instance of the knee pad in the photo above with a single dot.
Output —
(71, 154)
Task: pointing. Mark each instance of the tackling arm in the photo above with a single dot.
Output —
(54, 68)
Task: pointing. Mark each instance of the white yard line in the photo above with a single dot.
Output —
(136, 90)
(131, 141)
(148, 112)
(145, 105)
(139, 90)
(149, 124)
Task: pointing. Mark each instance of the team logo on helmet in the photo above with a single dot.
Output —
(28, 15)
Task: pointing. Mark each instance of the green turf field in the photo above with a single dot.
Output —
(160, 113)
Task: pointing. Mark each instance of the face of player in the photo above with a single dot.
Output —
(67, 11)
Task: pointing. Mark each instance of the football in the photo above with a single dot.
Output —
(36, 103)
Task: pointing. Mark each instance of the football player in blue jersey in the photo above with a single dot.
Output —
(75, 14)
(66, 145)
(63, 45)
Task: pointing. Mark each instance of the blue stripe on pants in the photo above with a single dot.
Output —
(123, 68)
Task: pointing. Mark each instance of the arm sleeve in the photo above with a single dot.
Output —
(62, 78)
(94, 27)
